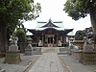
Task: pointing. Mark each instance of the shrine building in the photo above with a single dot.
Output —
(50, 34)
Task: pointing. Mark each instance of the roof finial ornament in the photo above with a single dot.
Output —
(50, 19)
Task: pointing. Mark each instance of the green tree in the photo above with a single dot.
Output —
(80, 8)
(79, 35)
(11, 11)
(21, 34)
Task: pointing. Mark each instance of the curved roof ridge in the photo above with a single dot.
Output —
(50, 24)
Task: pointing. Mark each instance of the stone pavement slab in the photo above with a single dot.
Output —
(48, 62)
(21, 67)
(74, 66)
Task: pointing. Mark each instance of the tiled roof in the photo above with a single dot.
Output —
(50, 24)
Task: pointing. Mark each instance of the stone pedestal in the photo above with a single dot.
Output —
(28, 50)
(13, 55)
(88, 58)
(76, 55)
(12, 58)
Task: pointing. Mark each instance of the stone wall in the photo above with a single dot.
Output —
(79, 43)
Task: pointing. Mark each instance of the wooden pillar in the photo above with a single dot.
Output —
(42, 39)
(60, 38)
(65, 39)
(53, 40)
(57, 39)
(47, 40)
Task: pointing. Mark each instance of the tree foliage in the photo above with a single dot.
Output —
(22, 39)
(79, 8)
(12, 10)
(79, 35)
(21, 34)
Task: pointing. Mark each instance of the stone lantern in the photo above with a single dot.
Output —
(29, 39)
(70, 45)
(28, 49)
(71, 42)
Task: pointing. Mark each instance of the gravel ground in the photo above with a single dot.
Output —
(74, 66)
(25, 60)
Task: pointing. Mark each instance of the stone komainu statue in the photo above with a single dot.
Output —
(13, 44)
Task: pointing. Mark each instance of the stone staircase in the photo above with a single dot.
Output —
(50, 49)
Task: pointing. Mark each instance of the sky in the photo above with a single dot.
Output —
(54, 9)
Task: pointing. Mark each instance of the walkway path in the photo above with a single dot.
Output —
(48, 62)
(72, 65)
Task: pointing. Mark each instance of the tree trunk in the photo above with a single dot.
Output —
(93, 22)
(3, 38)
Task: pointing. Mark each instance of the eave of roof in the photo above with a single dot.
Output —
(64, 31)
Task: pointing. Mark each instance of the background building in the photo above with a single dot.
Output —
(48, 34)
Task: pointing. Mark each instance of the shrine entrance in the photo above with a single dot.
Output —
(49, 35)
(50, 40)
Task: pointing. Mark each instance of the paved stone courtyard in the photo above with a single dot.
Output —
(22, 66)
(72, 65)
(48, 62)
